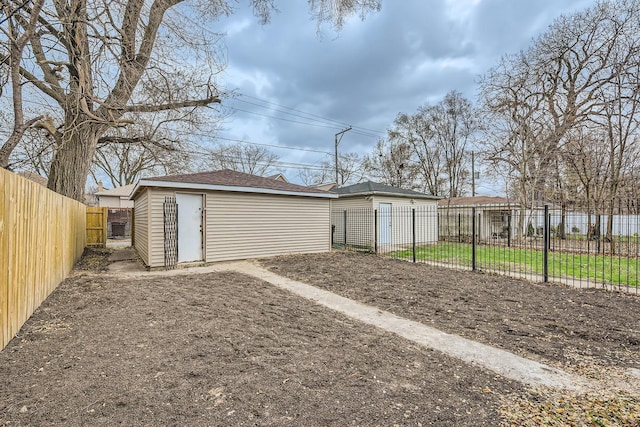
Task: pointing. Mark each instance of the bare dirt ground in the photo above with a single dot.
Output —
(226, 349)
(591, 332)
(550, 323)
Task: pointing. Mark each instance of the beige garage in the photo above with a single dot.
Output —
(380, 217)
(227, 215)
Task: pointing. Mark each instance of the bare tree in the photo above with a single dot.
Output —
(125, 158)
(20, 29)
(515, 139)
(393, 164)
(416, 132)
(582, 71)
(439, 136)
(98, 61)
(316, 176)
(243, 158)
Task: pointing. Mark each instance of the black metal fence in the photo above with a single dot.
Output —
(578, 247)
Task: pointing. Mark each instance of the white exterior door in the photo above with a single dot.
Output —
(385, 223)
(189, 227)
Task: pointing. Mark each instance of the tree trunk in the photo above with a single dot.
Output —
(72, 160)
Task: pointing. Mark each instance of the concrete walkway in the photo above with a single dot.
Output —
(499, 361)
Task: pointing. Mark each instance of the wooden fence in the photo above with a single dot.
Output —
(42, 235)
(97, 226)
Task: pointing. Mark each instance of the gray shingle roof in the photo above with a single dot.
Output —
(229, 178)
(372, 188)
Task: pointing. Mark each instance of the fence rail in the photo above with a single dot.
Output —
(582, 248)
(42, 235)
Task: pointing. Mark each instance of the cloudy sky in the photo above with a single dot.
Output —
(297, 88)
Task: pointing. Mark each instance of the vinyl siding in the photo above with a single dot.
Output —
(360, 223)
(245, 225)
(351, 203)
(426, 219)
(141, 214)
(156, 218)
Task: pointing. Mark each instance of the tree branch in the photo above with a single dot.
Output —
(213, 99)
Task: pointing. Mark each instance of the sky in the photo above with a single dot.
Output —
(297, 88)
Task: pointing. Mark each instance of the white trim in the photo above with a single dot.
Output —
(483, 205)
(389, 194)
(192, 186)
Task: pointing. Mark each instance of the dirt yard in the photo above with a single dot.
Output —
(226, 349)
(549, 323)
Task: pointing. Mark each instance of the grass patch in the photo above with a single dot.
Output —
(611, 270)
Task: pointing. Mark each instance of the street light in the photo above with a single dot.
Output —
(337, 140)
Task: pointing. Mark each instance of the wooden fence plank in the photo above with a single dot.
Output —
(4, 261)
(97, 226)
(42, 234)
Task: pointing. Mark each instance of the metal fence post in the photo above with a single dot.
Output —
(345, 229)
(547, 238)
(413, 232)
(473, 238)
(375, 229)
(509, 229)
(459, 227)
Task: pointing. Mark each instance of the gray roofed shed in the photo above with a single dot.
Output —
(378, 216)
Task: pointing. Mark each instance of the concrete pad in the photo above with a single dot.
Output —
(123, 254)
(126, 267)
(124, 243)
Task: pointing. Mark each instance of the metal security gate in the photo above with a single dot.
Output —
(170, 211)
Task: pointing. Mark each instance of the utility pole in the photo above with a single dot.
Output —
(473, 174)
(337, 141)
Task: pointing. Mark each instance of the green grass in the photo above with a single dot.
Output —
(596, 268)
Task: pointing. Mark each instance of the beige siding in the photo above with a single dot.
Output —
(351, 203)
(426, 219)
(156, 231)
(360, 223)
(109, 201)
(141, 218)
(244, 225)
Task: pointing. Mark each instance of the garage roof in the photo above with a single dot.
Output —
(228, 180)
(371, 188)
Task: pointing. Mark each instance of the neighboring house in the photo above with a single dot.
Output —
(34, 177)
(115, 198)
(372, 215)
(326, 187)
(119, 213)
(279, 177)
(496, 217)
(227, 215)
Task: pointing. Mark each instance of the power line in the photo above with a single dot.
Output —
(327, 119)
(282, 118)
(285, 112)
(13, 12)
(275, 164)
(243, 141)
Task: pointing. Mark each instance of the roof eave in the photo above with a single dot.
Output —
(389, 194)
(237, 189)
